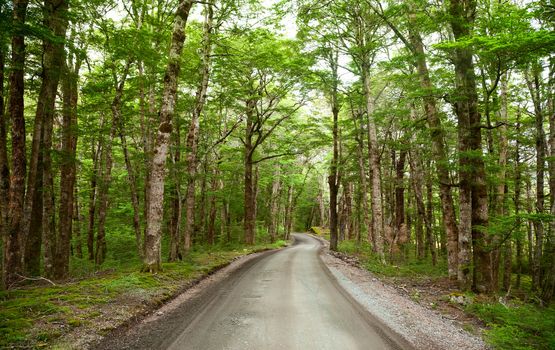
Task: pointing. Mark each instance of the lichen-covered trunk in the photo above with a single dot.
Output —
(12, 240)
(439, 153)
(192, 136)
(374, 163)
(363, 190)
(155, 191)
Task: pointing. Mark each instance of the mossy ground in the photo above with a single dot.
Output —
(515, 323)
(35, 316)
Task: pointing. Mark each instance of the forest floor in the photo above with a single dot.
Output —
(78, 312)
(504, 321)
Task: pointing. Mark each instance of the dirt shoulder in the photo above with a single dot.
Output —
(411, 310)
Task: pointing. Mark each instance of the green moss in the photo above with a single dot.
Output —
(75, 304)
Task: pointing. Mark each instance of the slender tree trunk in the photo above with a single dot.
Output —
(176, 200)
(155, 192)
(4, 162)
(274, 200)
(534, 89)
(192, 136)
(289, 212)
(363, 184)
(249, 201)
(400, 226)
(333, 178)
(105, 180)
(12, 262)
(374, 163)
(78, 220)
(517, 203)
(211, 231)
(500, 205)
(93, 198)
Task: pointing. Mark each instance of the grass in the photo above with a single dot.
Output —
(518, 325)
(35, 316)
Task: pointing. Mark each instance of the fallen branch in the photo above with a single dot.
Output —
(40, 278)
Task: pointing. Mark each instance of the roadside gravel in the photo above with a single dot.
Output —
(421, 327)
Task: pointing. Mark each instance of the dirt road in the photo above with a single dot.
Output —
(282, 300)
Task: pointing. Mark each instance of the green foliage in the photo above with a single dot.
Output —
(520, 327)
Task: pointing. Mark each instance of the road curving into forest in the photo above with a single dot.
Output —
(281, 300)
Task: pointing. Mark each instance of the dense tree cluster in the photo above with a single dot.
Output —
(424, 125)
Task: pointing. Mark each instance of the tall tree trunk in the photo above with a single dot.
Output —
(548, 280)
(399, 224)
(363, 191)
(68, 170)
(534, 89)
(55, 19)
(473, 188)
(96, 151)
(155, 211)
(517, 203)
(289, 212)
(192, 136)
(440, 155)
(4, 162)
(12, 263)
(376, 191)
(214, 186)
(249, 200)
(105, 180)
(334, 176)
(176, 202)
(500, 205)
(274, 200)
(48, 215)
(78, 220)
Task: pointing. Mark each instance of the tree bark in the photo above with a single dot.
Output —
(68, 169)
(4, 162)
(373, 152)
(473, 188)
(439, 152)
(192, 136)
(12, 262)
(274, 199)
(214, 186)
(155, 191)
(534, 89)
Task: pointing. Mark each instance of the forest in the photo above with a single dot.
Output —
(136, 134)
